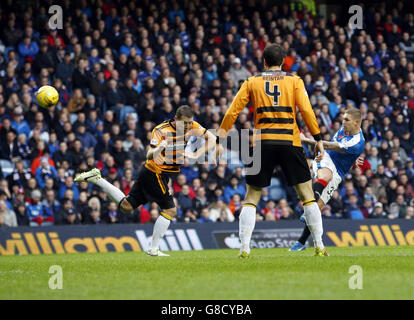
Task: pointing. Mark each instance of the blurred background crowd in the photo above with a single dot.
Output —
(122, 67)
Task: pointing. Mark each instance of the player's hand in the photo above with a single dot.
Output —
(359, 162)
(319, 151)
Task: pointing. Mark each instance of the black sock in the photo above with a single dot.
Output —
(305, 235)
(317, 189)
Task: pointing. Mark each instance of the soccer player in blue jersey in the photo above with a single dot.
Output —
(341, 153)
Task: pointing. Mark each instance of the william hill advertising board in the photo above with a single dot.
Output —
(135, 237)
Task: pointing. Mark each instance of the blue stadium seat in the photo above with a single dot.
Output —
(233, 160)
(276, 191)
(125, 110)
(7, 167)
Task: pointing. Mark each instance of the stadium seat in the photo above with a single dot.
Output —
(233, 160)
(125, 111)
(7, 167)
(276, 191)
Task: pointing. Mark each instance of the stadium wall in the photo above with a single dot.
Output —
(133, 237)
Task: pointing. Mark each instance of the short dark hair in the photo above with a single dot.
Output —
(274, 55)
(185, 111)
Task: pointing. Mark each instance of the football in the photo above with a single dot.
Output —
(47, 96)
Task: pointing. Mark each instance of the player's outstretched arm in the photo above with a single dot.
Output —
(328, 145)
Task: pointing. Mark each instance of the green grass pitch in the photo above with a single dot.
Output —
(388, 273)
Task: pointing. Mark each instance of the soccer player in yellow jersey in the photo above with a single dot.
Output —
(168, 143)
(275, 94)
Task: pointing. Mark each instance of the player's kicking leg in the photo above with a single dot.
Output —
(127, 204)
(94, 176)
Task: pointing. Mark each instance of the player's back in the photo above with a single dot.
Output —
(274, 96)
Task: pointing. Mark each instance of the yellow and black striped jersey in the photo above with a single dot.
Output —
(172, 157)
(274, 96)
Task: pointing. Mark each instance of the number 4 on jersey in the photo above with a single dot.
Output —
(275, 94)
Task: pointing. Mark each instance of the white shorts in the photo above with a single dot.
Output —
(332, 186)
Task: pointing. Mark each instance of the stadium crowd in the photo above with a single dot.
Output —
(122, 67)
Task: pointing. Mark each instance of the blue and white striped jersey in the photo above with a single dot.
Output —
(353, 145)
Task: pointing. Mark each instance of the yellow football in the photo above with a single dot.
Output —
(47, 96)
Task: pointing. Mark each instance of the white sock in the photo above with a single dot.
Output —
(113, 192)
(247, 221)
(160, 228)
(314, 221)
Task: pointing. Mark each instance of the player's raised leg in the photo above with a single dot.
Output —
(94, 176)
(247, 219)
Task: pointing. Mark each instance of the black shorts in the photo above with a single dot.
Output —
(291, 159)
(151, 187)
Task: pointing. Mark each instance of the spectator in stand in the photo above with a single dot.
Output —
(50, 206)
(190, 216)
(69, 185)
(184, 200)
(28, 50)
(94, 217)
(19, 124)
(76, 103)
(352, 210)
(409, 214)
(204, 215)
(7, 215)
(235, 205)
(113, 215)
(65, 69)
(394, 211)
(378, 211)
(219, 211)
(35, 209)
(238, 72)
(80, 76)
(233, 188)
(21, 215)
(87, 140)
(67, 214)
(44, 171)
(200, 201)
(8, 146)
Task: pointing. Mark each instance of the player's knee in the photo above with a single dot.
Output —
(125, 206)
(172, 212)
(325, 175)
